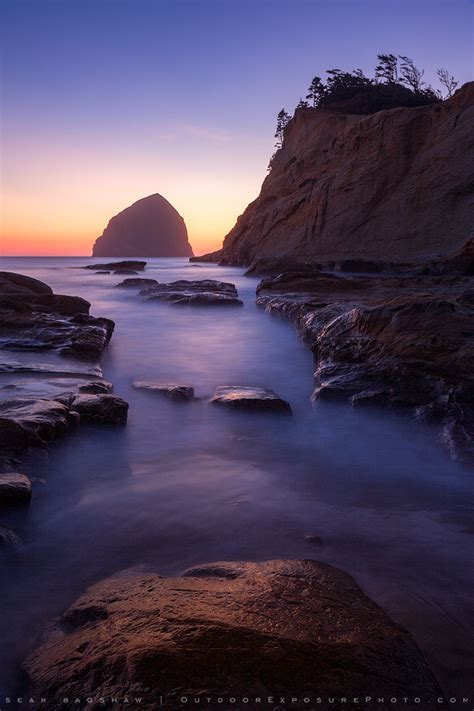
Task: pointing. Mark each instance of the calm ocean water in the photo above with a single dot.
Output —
(188, 484)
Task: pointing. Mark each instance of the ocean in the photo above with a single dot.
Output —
(184, 484)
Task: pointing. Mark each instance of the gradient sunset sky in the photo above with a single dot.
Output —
(106, 101)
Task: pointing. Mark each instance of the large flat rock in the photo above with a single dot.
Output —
(205, 292)
(286, 628)
(252, 399)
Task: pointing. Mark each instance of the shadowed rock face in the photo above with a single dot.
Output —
(244, 629)
(393, 186)
(151, 227)
(15, 489)
(403, 341)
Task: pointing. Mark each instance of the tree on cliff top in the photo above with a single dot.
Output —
(282, 120)
(397, 82)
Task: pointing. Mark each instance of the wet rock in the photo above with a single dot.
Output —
(15, 489)
(399, 341)
(96, 387)
(249, 629)
(199, 293)
(132, 283)
(136, 265)
(125, 271)
(101, 409)
(10, 543)
(255, 399)
(12, 283)
(33, 422)
(103, 271)
(180, 393)
(36, 319)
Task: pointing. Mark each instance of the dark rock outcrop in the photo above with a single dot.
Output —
(33, 318)
(206, 292)
(254, 399)
(212, 257)
(401, 341)
(393, 186)
(229, 629)
(133, 264)
(15, 489)
(40, 399)
(151, 227)
(101, 409)
(173, 391)
(139, 282)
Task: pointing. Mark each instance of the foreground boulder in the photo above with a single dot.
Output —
(279, 628)
(15, 489)
(206, 292)
(403, 341)
(240, 397)
(151, 227)
(173, 391)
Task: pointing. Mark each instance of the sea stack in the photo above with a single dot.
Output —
(151, 227)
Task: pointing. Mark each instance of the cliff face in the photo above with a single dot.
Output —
(151, 227)
(394, 185)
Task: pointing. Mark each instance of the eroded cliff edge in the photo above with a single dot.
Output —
(394, 186)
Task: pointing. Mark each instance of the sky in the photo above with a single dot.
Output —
(106, 101)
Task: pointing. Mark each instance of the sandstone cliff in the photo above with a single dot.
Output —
(151, 227)
(396, 185)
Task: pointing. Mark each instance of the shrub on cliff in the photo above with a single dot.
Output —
(397, 82)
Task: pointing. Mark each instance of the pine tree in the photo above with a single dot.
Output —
(282, 120)
(387, 68)
(316, 91)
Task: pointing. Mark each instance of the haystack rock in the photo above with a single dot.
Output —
(394, 185)
(151, 227)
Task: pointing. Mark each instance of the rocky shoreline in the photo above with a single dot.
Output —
(45, 396)
(403, 341)
(298, 623)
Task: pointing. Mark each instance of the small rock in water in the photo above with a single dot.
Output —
(102, 272)
(101, 409)
(125, 271)
(139, 282)
(180, 393)
(10, 543)
(205, 292)
(126, 264)
(15, 489)
(311, 538)
(255, 399)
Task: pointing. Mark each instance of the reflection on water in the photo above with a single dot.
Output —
(189, 483)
